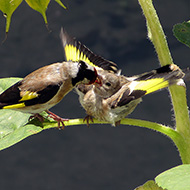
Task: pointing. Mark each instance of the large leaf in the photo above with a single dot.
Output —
(8, 7)
(182, 32)
(22, 129)
(14, 125)
(177, 178)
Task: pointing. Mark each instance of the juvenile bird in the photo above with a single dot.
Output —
(45, 87)
(118, 95)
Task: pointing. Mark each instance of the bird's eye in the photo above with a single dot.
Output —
(108, 84)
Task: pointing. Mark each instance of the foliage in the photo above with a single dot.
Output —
(149, 185)
(177, 178)
(182, 32)
(14, 126)
(9, 6)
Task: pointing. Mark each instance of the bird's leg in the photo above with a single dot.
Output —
(58, 119)
(87, 118)
(38, 116)
(117, 123)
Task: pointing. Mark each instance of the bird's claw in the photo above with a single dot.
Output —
(117, 123)
(58, 119)
(38, 116)
(87, 118)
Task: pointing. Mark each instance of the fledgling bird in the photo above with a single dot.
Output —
(45, 87)
(118, 95)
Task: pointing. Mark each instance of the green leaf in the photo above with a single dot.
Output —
(40, 6)
(10, 120)
(8, 7)
(182, 32)
(14, 125)
(177, 178)
(149, 185)
(61, 4)
(22, 131)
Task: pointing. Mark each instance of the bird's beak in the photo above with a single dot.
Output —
(98, 80)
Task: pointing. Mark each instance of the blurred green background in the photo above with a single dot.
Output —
(100, 157)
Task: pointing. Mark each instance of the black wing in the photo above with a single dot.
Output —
(75, 51)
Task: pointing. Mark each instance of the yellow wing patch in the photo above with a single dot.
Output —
(14, 106)
(27, 95)
(152, 85)
(74, 54)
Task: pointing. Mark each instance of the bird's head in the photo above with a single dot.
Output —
(110, 84)
(86, 74)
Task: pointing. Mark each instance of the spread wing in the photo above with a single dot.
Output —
(75, 51)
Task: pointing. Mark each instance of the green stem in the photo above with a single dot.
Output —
(178, 93)
(171, 133)
(156, 33)
(134, 122)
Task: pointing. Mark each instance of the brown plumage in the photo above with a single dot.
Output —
(45, 87)
(118, 95)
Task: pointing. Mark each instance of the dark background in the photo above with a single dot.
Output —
(100, 157)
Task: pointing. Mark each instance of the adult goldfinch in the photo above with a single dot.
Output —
(118, 96)
(45, 87)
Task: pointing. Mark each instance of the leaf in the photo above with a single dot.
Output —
(149, 185)
(23, 131)
(177, 178)
(8, 7)
(40, 6)
(14, 125)
(182, 32)
(61, 4)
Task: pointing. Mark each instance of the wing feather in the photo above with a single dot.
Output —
(75, 51)
(14, 98)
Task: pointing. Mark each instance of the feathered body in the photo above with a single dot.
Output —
(45, 87)
(117, 98)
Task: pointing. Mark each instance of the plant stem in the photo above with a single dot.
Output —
(156, 33)
(171, 133)
(127, 121)
(178, 93)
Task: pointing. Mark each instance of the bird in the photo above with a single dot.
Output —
(46, 86)
(118, 95)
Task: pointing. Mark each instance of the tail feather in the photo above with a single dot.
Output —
(159, 79)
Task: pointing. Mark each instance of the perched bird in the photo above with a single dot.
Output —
(118, 95)
(45, 87)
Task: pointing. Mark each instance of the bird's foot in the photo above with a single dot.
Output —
(38, 116)
(58, 119)
(87, 118)
(117, 123)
